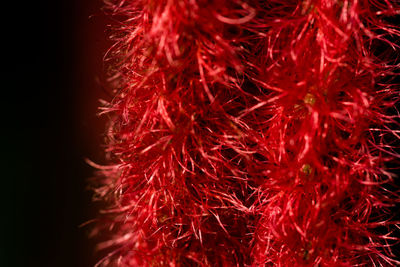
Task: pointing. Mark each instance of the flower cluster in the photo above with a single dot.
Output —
(251, 133)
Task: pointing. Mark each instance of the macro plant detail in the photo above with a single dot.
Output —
(251, 133)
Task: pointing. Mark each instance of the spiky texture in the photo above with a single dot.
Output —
(251, 133)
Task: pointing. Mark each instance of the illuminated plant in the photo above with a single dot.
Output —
(251, 133)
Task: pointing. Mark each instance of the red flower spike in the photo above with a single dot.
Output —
(251, 133)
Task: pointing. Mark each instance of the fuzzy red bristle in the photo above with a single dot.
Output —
(251, 133)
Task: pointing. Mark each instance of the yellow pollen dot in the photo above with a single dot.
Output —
(309, 99)
(306, 169)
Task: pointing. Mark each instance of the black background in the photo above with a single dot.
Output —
(51, 57)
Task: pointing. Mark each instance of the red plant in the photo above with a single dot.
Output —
(251, 133)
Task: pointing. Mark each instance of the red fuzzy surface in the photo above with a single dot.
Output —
(251, 133)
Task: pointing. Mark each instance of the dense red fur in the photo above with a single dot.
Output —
(251, 133)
